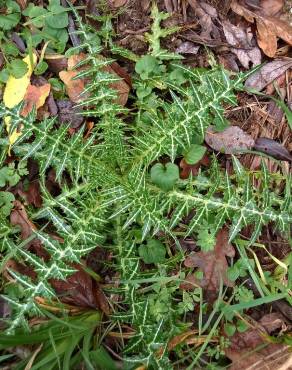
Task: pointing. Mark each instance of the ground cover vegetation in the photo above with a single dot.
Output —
(141, 226)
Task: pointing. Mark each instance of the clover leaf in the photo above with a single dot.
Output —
(164, 176)
(153, 252)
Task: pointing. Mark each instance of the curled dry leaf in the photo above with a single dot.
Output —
(244, 49)
(35, 96)
(269, 28)
(232, 140)
(19, 217)
(213, 264)
(268, 73)
(73, 87)
(245, 349)
(272, 148)
(271, 7)
(79, 289)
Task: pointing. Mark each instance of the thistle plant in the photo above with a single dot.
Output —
(111, 192)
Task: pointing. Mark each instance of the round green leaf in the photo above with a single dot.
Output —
(17, 68)
(153, 252)
(164, 176)
(41, 68)
(59, 20)
(229, 329)
(194, 154)
(9, 21)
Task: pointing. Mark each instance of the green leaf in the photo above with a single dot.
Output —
(164, 176)
(194, 154)
(37, 15)
(6, 203)
(229, 329)
(8, 21)
(153, 252)
(41, 68)
(9, 48)
(12, 6)
(241, 326)
(57, 20)
(18, 68)
(146, 65)
(206, 239)
(4, 75)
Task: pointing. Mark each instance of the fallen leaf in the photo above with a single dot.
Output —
(19, 217)
(269, 28)
(56, 62)
(80, 290)
(271, 7)
(69, 114)
(73, 87)
(14, 93)
(117, 3)
(187, 47)
(33, 194)
(272, 148)
(213, 264)
(188, 169)
(268, 73)
(121, 87)
(266, 38)
(245, 50)
(232, 140)
(35, 96)
(246, 352)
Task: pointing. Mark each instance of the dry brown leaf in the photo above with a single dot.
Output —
(117, 3)
(266, 38)
(243, 348)
(187, 47)
(271, 7)
(35, 96)
(232, 140)
(213, 264)
(22, 4)
(269, 28)
(79, 289)
(245, 49)
(19, 217)
(73, 87)
(268, 73)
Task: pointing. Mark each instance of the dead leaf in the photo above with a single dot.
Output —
(187, 47)
(271, 7)
(22, 3)
(268, 73)
(272, 148)
(35, 96)
(266, 37)
(69, 114)
(117, 3)
(56, 62)
(80, 290)
(121, 87)
(269, 28)
(232, 140)
(188, 169)
(19, 217)
(73, 87)
(213, 264)
(244, 351)
(245, 49)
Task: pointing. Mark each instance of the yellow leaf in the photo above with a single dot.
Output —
(14, 93)
(16, 87)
